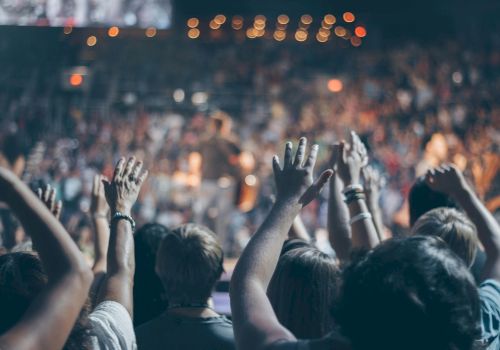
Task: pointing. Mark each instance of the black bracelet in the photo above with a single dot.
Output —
(354, 197)
(120, 216)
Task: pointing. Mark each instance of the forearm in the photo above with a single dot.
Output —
(339, 230)
(376, 212)
(101, 242)
(298, 230)
(118, 283)
(364, 234)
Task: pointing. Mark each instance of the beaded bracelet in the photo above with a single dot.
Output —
(359, 217)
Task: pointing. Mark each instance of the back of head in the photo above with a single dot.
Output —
(302, 291)
(189, 263)
(453, 227)
(412, 293)
(149, 301)
(423, 199)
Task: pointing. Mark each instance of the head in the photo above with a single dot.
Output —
(454, 228)
(149, 299)
(423, 199)
(411, 293)
(221, 123)
(302, 291)
(22, 278)
(189, 263)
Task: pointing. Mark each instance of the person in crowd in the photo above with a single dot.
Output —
(302, 290)
(189, 263)
(149, 295)
(41, 296)
(431, 290)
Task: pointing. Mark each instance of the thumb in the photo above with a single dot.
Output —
(322, 180)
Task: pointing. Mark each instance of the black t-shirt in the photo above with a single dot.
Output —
(178, 332)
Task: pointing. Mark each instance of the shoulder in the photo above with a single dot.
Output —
(112, 326)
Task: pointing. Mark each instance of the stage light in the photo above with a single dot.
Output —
(75, 80)
(329, 19)
(193, 33)
(260, 19)
(251, 33)
(151, 32)
(355, 41)
(325, 25)
(237, 22)
(279, 35)
(91, 40)
(220, 19)
(321, 38)
(324, 32)
(340, 31)
(360, 31)
(306, 19)
(457, 78)
(67, 30)
(199, 98)
(348, 17)
(335, 85)
(283, 19)
(250, 180)
(301, 35)
(179, 95)
(214, 25)
(193, 22)
(113, 32)
(259, 25)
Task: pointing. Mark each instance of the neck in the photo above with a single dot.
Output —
(194, 309)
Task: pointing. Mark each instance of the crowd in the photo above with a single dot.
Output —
(383, 238)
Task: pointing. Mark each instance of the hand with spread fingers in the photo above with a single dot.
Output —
(123, 190)
(352, 157)
(447, 179)
(48, 197)
(294, 182)
(98, 205)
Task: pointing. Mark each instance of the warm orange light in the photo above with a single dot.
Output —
(324, 32)
(237, 22)
(340, 31)
(335, 85)
(259, 25)
(193, 33)
(348, 17)
(329, 20)
(151, 32)
(283, 19)
(360, 31)
(67, 30)
(321, 38)
(214, 25)
(220, 19)
(113, 31)
(279, 35)
(306, 19)
(355, 41)
(193, 22)
(301, 35)
(251, 33)
(260, 19)
(91, 40)
(76, 79)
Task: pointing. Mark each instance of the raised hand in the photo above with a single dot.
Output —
(98, 205)
(373, 183)
(295, 184)
(123, 190)
(352, 157)
(447, 179)
(48, 197)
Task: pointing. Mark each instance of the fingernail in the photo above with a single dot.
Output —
(289, 144)
(315, 147)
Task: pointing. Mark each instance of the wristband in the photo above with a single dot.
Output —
(353, 188)
(120, 216)
(351, 197)
(359, 217)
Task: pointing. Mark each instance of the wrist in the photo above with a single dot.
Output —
(121, 209)
(288, 204)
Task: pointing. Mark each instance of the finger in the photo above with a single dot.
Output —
(299, 156)
(140, 180)
(128, 167)
(311, 160)
(119, 169)
(52, 199)
(335, 155)
(102, 179)
(343, 151)
(136, 170)
(95, 185)
(322, 180)
(46, 193)
(287, 160)
(353, 141)
(57, 209)
(39, 192)
(276, 167)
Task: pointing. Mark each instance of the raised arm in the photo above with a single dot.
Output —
(255, 324)
(99, 211)
(450, 180)
(374, 182)
(121, 194)
(339, 230)
(51, 316)
(351, 160)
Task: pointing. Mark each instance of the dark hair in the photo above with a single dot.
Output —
(22, 278)
(422, 199)
(454, 228)
(149, 299)
(189, 263)
(411, 293)
(302, 291)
